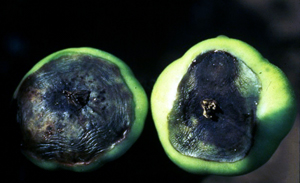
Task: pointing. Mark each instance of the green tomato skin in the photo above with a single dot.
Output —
(276, 109)
(140, 102)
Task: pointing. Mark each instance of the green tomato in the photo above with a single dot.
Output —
(79, 108)
(222, 108)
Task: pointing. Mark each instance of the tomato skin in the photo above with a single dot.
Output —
(276, 109)
(140, 110)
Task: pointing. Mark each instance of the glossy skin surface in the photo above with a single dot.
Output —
(273, 116)
(79, 108)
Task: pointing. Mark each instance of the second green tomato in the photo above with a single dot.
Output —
(222, 108)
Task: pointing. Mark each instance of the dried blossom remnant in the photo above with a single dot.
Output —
(79, 97)
(209, 107)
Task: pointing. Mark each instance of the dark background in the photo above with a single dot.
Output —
(147, 35)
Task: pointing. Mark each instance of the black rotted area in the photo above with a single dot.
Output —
(210, 111)
(74, 108)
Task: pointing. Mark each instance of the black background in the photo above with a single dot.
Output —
(147, 35)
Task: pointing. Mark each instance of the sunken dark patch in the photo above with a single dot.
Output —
(211, 118)
(74, 108)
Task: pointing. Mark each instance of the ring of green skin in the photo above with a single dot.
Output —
(276, 110)
(140, 101)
